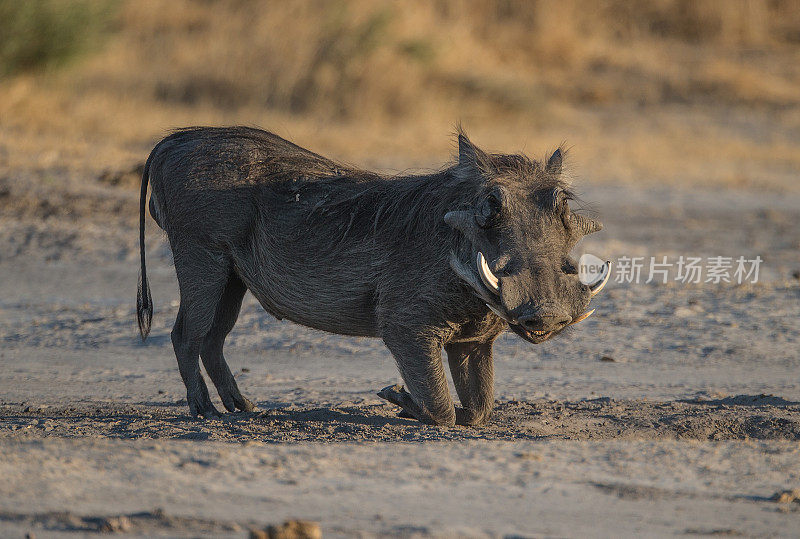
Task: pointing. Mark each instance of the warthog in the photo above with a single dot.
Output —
(443, 260)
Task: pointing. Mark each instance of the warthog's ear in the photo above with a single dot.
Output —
(466, 151)
(554, 163)
(470, 157)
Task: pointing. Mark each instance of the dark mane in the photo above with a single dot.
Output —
(413, 205)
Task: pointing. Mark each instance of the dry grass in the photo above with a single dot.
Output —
(657, 90)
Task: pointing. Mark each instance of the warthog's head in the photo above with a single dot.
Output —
(520, 230)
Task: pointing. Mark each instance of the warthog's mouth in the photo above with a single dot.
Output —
(537, 337)
(492, 284)
(534, 337)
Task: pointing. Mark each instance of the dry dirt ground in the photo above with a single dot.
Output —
(689, 425)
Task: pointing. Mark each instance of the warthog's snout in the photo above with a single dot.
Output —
(544, 321)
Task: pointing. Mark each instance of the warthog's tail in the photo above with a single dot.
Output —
(144, 301)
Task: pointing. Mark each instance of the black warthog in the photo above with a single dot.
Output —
(444, 260)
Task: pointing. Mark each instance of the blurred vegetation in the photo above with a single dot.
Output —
(674, 80)
(44, 33)
(361, 58)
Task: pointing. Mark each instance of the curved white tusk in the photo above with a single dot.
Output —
(582, 317)
(601, 282)
(486, 274)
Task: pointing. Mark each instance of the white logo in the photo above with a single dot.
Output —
(590, 269)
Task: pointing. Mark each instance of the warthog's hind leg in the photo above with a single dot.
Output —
(187, 348)
(473, 375)
(202, 278)
(420, 365)
(211, 351)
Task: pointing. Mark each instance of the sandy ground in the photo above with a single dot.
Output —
(689, 426)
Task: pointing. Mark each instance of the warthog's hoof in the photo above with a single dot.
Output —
(200, 404)
(208, 411)
(245, 405)
(398, 395)
(470, 418)
(233, 400)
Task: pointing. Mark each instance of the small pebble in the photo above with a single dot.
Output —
(786, 496)
(607, 358)
(526, 455)
(291, 529)
(120, 524)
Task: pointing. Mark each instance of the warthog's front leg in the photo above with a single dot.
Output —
(473, 375)
(419, 361)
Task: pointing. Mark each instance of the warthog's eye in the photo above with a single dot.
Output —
(488, 212)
